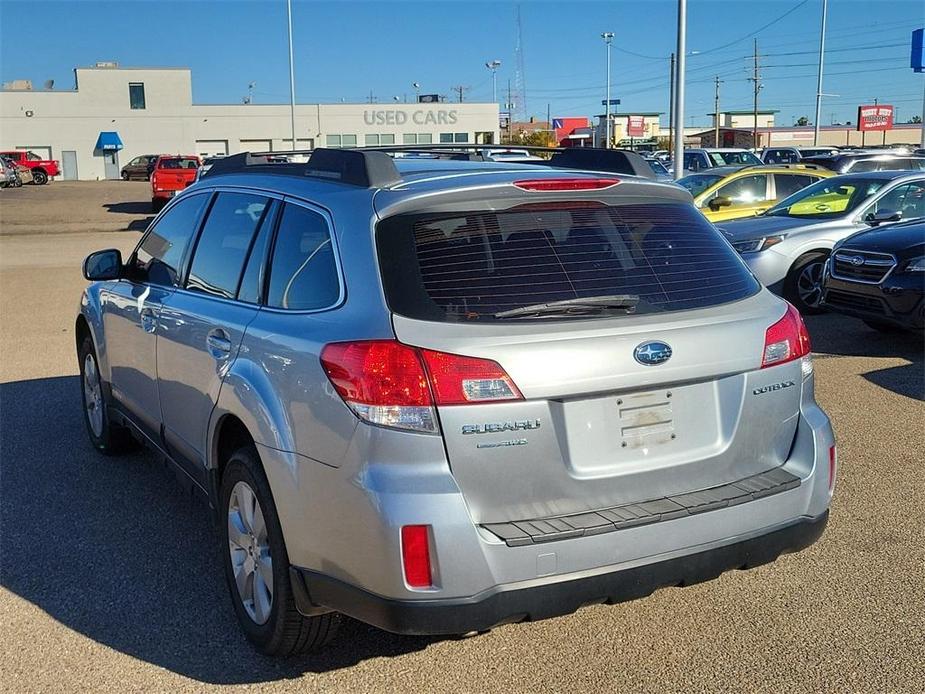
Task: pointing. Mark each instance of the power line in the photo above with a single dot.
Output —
(756, 31)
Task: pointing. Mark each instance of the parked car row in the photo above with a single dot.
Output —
(20, 167)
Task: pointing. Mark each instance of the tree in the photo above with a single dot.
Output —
(802, 120)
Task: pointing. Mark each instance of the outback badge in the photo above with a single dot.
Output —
(652, 353)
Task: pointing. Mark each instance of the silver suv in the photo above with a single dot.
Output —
(440, 396)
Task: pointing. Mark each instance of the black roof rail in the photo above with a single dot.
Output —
(356, 167)
(592, 158)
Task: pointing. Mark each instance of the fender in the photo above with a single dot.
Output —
(91, 310)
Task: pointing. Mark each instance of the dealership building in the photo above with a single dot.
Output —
(114, 114)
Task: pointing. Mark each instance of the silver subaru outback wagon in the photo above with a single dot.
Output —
(440, 396)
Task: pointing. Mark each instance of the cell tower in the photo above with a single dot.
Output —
(520, 88)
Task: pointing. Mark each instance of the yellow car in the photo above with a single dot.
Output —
(725, 193)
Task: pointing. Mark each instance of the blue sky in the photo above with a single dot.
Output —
(346, 50)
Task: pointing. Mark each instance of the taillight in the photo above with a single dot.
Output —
(458, 380)
(833, 463)
(383, 382)
(552, 184)
(786, 340)
(415, 555)
(390, 384)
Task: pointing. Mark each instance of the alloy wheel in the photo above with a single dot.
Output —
(809, 284)
(93, 396)
(249, 548)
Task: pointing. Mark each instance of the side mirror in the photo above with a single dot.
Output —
(103, 265)
(882, 217)
(718, 202)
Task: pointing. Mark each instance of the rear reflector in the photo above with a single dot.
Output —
(458, 380)
(552, 184)
(390, 384)
(833, 462)
(786, 340)
(415, 555)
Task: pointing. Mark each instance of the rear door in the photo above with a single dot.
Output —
(747, 195)
(606, 418)
(203, 323)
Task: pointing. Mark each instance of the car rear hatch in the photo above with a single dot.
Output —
(643, 385)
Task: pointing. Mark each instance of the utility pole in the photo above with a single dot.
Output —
(670, 103)
(608, 39)
(510, 113)
(459, 91)
(756, 79)
(716, 82)
(825, 4)
(549, 134)
(291, 75)
(679, 91)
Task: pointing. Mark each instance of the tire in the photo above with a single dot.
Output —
(803, 285)
(107, 437)
(883, 327)
(125, 176)
(39, 177)
(157, 205)
(268, 617)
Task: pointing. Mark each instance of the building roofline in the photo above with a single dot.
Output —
(130, 67)
(749, 112)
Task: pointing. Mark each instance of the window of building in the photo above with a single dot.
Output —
(332, 141)
(418, 139)
(341, 141)
(136, 95)
(224, 243)
(384, 139)
(303, 273)
(454, 137)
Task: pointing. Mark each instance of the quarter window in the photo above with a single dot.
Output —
(159, 257)
(136, 95)
(788, 184)
(908, 200)
(224, 243)
(303, 272)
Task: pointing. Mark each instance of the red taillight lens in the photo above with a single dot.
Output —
(786, 340)
(459, 380)
(385, 382)
(833, 458)
(415, 555)
(552, 184)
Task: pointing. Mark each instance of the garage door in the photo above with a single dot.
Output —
(211, 148)
(256, 145)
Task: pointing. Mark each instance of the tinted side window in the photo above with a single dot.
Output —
(159, 256)
(788, 184)
(303, 273)
(746, 189)
(864, 166)
(224, 243)
(251, 288)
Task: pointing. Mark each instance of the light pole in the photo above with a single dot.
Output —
(679, 91)
(608, 39)
(417, 91)
(493, 65)
(291, 75)
(825, 5)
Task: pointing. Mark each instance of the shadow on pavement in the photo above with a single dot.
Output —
(131, 207)
(139, 224)
(905, 380)
(112, 548)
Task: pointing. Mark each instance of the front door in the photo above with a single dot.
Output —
(203, 324)
(111, 164)
(69, 165)
(132, 309)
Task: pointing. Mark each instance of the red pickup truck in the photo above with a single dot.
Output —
(172, 173)
(41, 168)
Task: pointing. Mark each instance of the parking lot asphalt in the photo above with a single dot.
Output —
(110, 577)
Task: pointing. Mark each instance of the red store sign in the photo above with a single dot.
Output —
(875, 117)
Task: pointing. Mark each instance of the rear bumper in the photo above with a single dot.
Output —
(505, 604)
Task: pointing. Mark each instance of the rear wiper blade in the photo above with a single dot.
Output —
(625, 302)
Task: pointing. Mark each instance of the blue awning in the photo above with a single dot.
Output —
(109, 141)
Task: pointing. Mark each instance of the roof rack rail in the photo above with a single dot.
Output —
(591, 158)
(357, 167)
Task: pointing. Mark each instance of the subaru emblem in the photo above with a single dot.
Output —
(652, 353)
(856, 260)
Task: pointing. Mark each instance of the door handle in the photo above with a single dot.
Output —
(148, 320)
(218, 343)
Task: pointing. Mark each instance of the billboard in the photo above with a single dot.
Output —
(635, 126)
(875, 117)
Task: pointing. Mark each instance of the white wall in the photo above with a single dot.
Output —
(170, 122)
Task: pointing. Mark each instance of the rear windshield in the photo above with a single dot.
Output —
(488, 266)
(178, 163)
